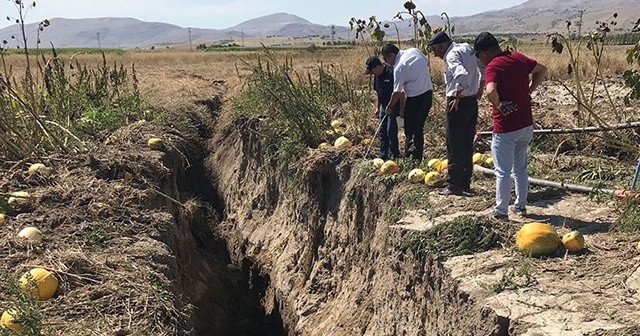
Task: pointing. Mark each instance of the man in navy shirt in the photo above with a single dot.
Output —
(383, 85)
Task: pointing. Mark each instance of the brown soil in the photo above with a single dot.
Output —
(206, 239)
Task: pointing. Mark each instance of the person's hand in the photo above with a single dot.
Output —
(507, 107)
(376, 112)
(388, 111)
(453, 105)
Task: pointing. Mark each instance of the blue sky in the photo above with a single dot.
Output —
(223, 14)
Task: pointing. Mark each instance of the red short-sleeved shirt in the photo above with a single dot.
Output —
(510, 71)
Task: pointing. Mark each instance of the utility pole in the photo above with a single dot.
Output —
(99, 44)
(333, 34)
(190, 44)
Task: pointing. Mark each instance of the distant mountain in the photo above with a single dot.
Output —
(533, 16)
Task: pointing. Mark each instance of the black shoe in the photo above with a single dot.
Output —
(499, 216)
(519, 211)
(468, 192)
(449, 192)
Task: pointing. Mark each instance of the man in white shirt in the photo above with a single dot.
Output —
(464, 80)
(411, 79)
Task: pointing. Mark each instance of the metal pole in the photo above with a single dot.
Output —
(366, 153)
(590, 129)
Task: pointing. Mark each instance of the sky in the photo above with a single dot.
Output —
(218, 14)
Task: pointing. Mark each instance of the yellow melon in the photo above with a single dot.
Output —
(389, 168)
(442, 166)
(39, 168)
(432, 163)
(478, 158)
(488, 162)
(432, 178)
(155, 143)
(45, 283)
(335, 124)
(324, 145)
(1, 218)
(377, 163)
(638, 247)
(537, 239)
(31, 234)
(342, 143)
(19, 197)
(8, 320)
(573, 241)
(416, 175)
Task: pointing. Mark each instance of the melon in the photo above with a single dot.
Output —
(488, 162)
(416, 175)
(537, 239)
(377, 163)
(31, 234)
(9, 320)
(342, 143)
(335, 124)
(324, 145)
(389, 168)
(1, 218)
(19, 197)
(442, 166)
(39, 168)
(638, 247)
(573, 241)
(432, 163)
(45, 283)
(155, 143)
(432, 178)
(478, 158)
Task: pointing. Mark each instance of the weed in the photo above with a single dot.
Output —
(25, 309)
(390, 180)
(463, 235)
(516, 277)
(629, 218)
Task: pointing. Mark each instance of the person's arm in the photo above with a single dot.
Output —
(482, 69)
(398, 86)
(403, 101)
(491, 90)
(460, 74)
(396, 97)
(538, 74)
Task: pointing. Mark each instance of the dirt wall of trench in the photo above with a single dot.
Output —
(331, 263)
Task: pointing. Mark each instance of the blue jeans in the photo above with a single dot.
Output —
(388, 134)
(509, 151)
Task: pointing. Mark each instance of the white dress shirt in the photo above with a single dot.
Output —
(463, 71)
(411, 73)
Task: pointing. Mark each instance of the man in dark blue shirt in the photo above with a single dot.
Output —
(383, 85)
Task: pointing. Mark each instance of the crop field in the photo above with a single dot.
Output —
(103, 188)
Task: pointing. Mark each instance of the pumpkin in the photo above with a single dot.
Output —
(432, 178)
(416, 175)
(46, 283)
(537, 239)
(488, 162)
(573, 241)
(342, 143)
(8, 320)
(39, 168)
(324, 145)
(155, 143)
(432, 163)
(442, 166)
(19, 197)
(377, 163)
(1, 218)
(31, 234)
(389, 168)
(478, 158)
(335, 124)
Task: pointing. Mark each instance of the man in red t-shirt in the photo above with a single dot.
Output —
(508, 88)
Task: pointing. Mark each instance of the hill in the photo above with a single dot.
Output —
(534, 16)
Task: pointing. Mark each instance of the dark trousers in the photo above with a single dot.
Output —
(388, 134)
(461, 127)
(416, 110)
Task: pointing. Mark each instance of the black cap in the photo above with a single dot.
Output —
(438, 38)
(372, 62)
(485, 41)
